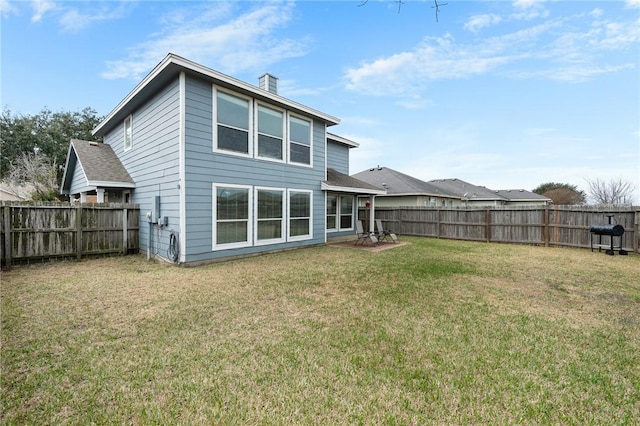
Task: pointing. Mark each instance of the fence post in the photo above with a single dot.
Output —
(79, 209)
(636, 231)
(545, 229)
(7, 236)
(125, 241)
(487, 224)
(437, 222)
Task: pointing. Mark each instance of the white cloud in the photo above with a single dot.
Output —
(40, 8)
(526, 4)
(476, 22)
(6, 8)
(554, 49)
(73, 20)
(231, 45)
(632, 3)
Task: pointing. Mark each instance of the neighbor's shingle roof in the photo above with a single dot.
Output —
(397, 183)
(462, 189)
(521, 195)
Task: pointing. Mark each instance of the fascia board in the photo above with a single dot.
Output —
(342, 140)
(220, 78)
(66, 169)
(109, 184)
(326, 187)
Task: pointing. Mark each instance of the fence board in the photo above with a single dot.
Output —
(562, 226)
(33, 231)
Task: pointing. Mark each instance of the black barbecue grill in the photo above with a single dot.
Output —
(610, 231)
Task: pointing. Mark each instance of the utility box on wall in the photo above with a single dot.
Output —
(156, 213)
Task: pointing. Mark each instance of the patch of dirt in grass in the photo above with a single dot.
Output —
(382, 245)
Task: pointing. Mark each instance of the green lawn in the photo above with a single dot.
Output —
(434, 332)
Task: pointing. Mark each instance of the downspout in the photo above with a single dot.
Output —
(372, 214)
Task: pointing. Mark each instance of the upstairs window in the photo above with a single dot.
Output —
(270, 133)
(128, 133)
(299, 140)
(232, 118)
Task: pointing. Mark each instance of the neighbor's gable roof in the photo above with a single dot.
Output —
(99, 164)
(521, 195)
(397, 183)
(171, 67)
(465, 190)
(340, 182)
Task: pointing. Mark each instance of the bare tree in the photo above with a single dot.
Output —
(613, 191)
(34, 170)
(436, 5)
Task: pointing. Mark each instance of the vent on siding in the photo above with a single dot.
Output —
(269, 83)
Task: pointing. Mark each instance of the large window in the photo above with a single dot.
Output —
(299, 215)
(339, 212)
(346, 212)
(270, 133)
(269, 215)
(299, 140)
(332, 211)
(128, 133)
(233, 123)
(245, 216)
(232, 226)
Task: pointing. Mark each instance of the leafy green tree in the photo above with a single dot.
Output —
(46, 133)
(561, 193)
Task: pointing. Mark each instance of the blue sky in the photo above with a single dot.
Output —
(503, 94)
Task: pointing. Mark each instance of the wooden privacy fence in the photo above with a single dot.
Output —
(540, 225)
(37, 231)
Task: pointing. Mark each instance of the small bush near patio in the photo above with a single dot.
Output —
(434, 332)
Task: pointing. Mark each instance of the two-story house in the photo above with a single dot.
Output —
(219, 167)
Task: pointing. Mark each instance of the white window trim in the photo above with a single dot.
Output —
(339, 213)
(285, 131)
(214, 117)
(336, 215)
(124, 126)
(284, 220)
(303, 118)
(250, 218)
(309, 236)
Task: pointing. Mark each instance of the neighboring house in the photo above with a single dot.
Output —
(523, 197)
(406, 191)
(233, 169)
(467, 194)
(9, 193)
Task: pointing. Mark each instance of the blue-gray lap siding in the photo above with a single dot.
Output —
(153, 163)
(79, 181)
(204, 167)
(338, 157)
